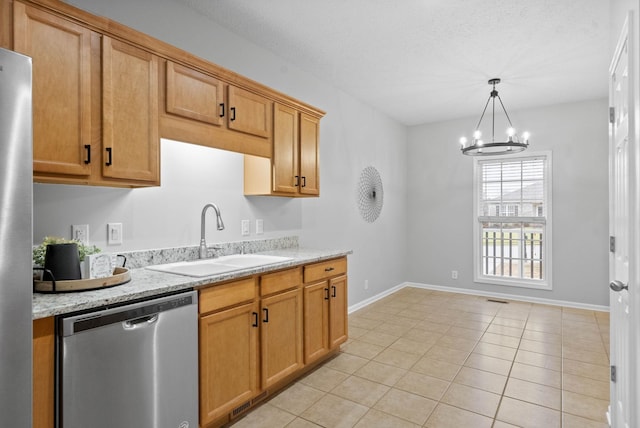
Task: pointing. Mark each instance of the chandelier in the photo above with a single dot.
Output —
(478, 147)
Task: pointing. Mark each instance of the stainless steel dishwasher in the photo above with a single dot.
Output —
(131, 366)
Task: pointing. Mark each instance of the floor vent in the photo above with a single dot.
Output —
(241, 409)
(498, 301)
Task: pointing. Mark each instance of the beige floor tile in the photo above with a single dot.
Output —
(597, 358)
(505, 331)
(591, 371)
(405, 405)
(347, 363)
(458, 343)
(472, 324)
(596, 345)
(542, 336)
(436, 327)
(543, 326)
(481, 379)
(302, 423)
(546, 348)
(420, 335)
(265, 416)
(533, 393)
(509, 322)
(324, 379)
(527, 415)
(436, 368)
(377, 419)
(572, 421)
(500, 339)
(360, 390)
(396, 330)
(424, 385)
(381, 373)
(360, 322)
(451, 355)
(584, 406)
(490, 364)
(411, 346)
(355, 332)
(539, 360)
(373, 314)
(362, 349)
(378, 338)
(393, 357)
(536, 374)
(466, 333)
(445, 416)
(500, 424)
(586, 386)
(413, 314)
(398, 320)
(497, 351)
(297, 398)
(472, 399)
(333, 411)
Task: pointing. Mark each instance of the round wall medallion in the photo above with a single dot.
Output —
(370, 194)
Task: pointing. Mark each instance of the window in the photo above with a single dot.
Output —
(512, 220)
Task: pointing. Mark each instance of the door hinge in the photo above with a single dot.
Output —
(612, 115)
(613, 374)
(612, 244)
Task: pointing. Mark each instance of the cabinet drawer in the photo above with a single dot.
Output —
(222, 296)
(278, 281)
(318, 271)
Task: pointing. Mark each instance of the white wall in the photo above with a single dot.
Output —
(352, 137)
(440, 214)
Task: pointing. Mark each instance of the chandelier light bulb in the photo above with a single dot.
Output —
(511, 132)
(477, 134)
(463, 141)
(525, 136)
(480, 143)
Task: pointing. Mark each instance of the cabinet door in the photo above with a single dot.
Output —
(249, 113)
(129, 112)
(338, 328)
(281, 336)
(194, 95)
(43, 372)
(228, 360)
(316, 321)
(61, 53)
(285, 149)
(309, 155)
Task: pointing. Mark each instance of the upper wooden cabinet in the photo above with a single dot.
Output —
(202, 109)
(95, 115)
(294, 167)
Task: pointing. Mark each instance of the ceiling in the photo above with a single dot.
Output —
(422, 61)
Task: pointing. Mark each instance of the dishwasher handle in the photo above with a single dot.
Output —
(140, 322)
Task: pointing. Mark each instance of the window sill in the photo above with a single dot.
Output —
(520, 283)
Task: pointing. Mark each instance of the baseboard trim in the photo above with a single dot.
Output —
(528, 299)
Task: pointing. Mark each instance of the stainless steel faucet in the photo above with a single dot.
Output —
(204, 251)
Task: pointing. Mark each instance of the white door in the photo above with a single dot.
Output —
(621, 213)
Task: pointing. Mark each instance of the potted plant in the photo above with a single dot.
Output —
(40, 251)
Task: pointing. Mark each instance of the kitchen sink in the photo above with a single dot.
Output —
(219, 265)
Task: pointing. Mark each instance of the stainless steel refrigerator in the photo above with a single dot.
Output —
(16, 237)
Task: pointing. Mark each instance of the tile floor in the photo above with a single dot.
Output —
(423, 358)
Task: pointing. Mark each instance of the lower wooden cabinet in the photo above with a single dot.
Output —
(43, 372)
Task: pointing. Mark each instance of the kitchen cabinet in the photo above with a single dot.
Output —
(294, 167)
(325, 308)
(95, 116)
(203, 109)
(228, 348)
(43, 372)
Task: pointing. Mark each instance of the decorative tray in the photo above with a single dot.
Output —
(120, 276)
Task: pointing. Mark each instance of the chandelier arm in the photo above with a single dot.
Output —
(483, 111)
(505, 111)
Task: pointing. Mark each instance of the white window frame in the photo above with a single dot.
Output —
(479, 277)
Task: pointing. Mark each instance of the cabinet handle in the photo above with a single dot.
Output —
(266, 314)
(333, 291)
(88, 149)
(326, 290)
(296, 183)
(110, 157)
(329, 269)
(233, 114)
(221, 109)
(304, 181)
(255, 319)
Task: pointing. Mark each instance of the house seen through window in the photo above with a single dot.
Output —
(513, 220)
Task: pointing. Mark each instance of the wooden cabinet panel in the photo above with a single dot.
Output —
(280, 281)
(323, 270)
(316, 321)
(281, 336)
(338, 327)
(309, 155)
(223, 296)
(194, 95)
(43, 372)
(249, 112)
(228, 360)
(285, 150)
(61, 52)
(130, 112)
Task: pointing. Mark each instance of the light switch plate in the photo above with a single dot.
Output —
(259, 227)
(114, 233)
(245, 227)
(80, 233)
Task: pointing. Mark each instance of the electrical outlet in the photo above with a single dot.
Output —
(80, 233)
(114, 233)
(366, 284)
(245, 228)
(454, 274)
(259, 226)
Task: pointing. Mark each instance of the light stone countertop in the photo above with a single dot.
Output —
(147, 283)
